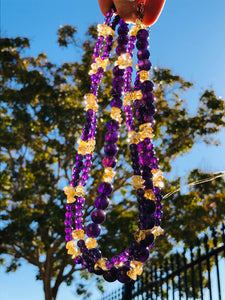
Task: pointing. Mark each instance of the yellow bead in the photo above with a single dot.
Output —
(143, 135)
(157, 178)
(90, 102)
(124, 61)
(99, 63)
(78, 234)
(137, 267)
(146, 127)
(116, 114)
(71, 244)
(144, 75)
(69, 191)
(132, 274)
(108, 175)
(149, 194)
(137, 95)
(137, 182)
(133, 137)
(157, 230)
(91, 243)
(70, 199)
(157, 173)
(105, 30)
(100, 264)
(80, 191)
(127, 99)
(139, 235)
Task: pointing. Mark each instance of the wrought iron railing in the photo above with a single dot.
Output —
(195, 273)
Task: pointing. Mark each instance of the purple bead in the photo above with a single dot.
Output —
(148, 99)
(68, 237)
(144, 64)
(87, 163)
(113, 125)
(101, 202)
(111, 149)
(143, 54)
(85, 177)
(116, 260)
(112, 137)
(122, 274)
(141, 255)
(116, 91)
(110, 275)
(98, 216)
(117, 71)
(142, 34)
(79, 157)
(69, 207)
(105, 188)
(116, 102)
(121, 49)
(68, 230)
(148, 240)
(69, 214)
(81, 243)
(123, 257)
(142, 44)
(118, 81)
(80, 200)
(109, 161)
(78, 220)
(93, 230)
(145, 159)
(79, 213)
(122, 39)
(79, 227)
(68, 222)
(78, 260)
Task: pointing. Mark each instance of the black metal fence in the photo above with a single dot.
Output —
(196, 273)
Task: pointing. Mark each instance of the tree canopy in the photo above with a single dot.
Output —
(42, 116)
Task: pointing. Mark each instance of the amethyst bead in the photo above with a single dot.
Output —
(93, 230)
(110, 275)
(111, 149)
(122, 274)
(117, 71)
(112, 137)
(142, 34)
(98, 216)
(142, 44)
(101, 202)
(144, 64)
(105, 188)
(109, 161)
(113, 125)
(116, 102)
(143, 54)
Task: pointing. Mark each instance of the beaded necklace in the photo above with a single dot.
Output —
(147, 179)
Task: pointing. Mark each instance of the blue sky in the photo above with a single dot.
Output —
(188, 38)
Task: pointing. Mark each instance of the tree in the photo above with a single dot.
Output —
(41, 118)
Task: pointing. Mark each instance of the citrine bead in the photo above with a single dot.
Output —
(71, 244)
(137, 182)
(101, 263)
(69, 191)
(80, 191)
(105, 30)
(132, 274)
(91, 243)
(157, 230)
(144, 75)
(108, 175)
(78, 234)
(124, 61)
(149, 194)
(133, 137)
(116, 114)
(127, 99)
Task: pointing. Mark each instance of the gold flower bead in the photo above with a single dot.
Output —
(78, 234)
(91, 243)
(149, 194)
(137, 182)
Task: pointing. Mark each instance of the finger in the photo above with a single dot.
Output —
(105, 5)
(152, 11)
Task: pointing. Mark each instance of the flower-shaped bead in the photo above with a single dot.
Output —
(70, 193)
(124, 61)
(90, 102)
(80, 191)
(78, 234)
(91, 243)
(137, 95)
(149, 194)
(127, 100)
(144, 75)
(137, 182)
(133, 137)
(99, 63)
(108, 174)
(157, 178)
(105, 30)
(116, 114)
(101, 264)
(157, 230)
(71, 244)
(137, 266)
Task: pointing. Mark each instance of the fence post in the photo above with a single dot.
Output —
(128, 290)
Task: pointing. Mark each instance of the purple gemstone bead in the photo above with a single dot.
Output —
(68, 230)
(118, 81)
(122, 39)
(123, 257)
(85, 177)
(82, 182)
(78, 260)
(144, 64)
(98, 216)
(105, 188)
(148, 99)
(142, 44)
(68, 222)
(111, 149)
(79, 227)
(142, 34)
(68, 237)
(80, 200)
(148, 240)
(116, 260)
(141, 255)
(122, 274)
(113, 125)
(78, 220)
(117, 71)
(79, 213)
(143, 54)
(120, 49)
(116, 102)
(86, 170)
(81, 243)
(69, 214)
(110, 275)
(69, 207)
(101, 202)
(93, 230)
(109, 161)
(145, 159)
(87, 163)
(112, 137)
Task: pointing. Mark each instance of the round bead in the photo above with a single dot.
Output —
(98, 216)
(117, 71)
(113, 125)
(109, 161)
(101, 202)
(144, 64)
(105, 188)
(110, 275)
(122, 274)
(116, 102)
(111, 149)
(142, 44)
(142, 34)
(112, 137)
(143, 54)
(93, 230)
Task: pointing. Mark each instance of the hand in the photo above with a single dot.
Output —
(127, 9)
